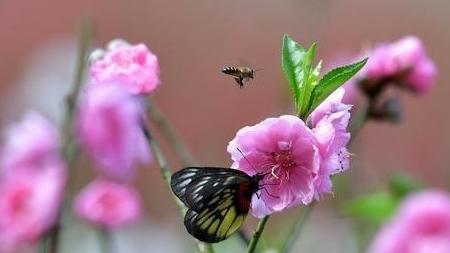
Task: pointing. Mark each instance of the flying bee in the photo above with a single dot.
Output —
(240, 74)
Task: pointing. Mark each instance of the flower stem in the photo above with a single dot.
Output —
(296, 229)
(257, 234)
(106, 240)
(176, 143)
(70, 150)
(163, 165)
(170, 134)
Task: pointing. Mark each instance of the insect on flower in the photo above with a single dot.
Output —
(240, 74)
(218, 200)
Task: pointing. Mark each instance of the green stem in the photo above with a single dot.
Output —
(70, 150)
(169, 134)
(177, 145)
(297, 228)
(257, 234)
(106, 241)
(163, 165)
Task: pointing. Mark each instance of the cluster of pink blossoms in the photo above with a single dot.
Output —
(109, 122)
(421, 225)
(296, 158)
(32, 181)
(404, 62)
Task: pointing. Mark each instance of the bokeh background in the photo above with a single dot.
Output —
(194, 40)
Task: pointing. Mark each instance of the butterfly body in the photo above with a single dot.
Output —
(218, 200)
(241, 74)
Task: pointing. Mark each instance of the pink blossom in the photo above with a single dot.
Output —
(380, 63)
(422, 77)
(108, 126)
(133, 66)
(29, 204)
(108, 204)
(405, 62)
(32, 142)
(284, 151)
(421, 225)
(329, 121)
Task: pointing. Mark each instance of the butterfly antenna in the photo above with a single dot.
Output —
(253, 167)
(271, 195)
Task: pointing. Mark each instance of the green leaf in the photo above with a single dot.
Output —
(333, 80)
(308, 81)
(292, 58)
(402, 185)
(375, 207)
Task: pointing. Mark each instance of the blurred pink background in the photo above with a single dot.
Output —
(195, 39)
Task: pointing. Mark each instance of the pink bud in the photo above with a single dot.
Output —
(108, 204)
(109, 129)
(133, 66)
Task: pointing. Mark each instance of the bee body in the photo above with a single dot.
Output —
(241, 74)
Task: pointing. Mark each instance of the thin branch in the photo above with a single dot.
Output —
(297, 229)
(106, 241)
(257, 234)
(70, 150)
(177, 145)
(170, 134)
(163, 165)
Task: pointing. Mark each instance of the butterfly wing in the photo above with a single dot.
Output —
(216, 221)
(218, 200)
(201, 181)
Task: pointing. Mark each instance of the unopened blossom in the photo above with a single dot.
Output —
(284, 150)
(135, 67)
(32, 142)
(108, 204)
(404, 62)
(29, 204)
(109, 127)
(421, 225)
(329, 121)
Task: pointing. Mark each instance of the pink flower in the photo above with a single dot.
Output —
(29, 204)
(108, 126)
(404, 61)
(421, 225)
(380, 63)
(133, 66)
(409, 53)
(31, 142)
(108, 204)
(422, 77)
(284, 151)
(329, 121)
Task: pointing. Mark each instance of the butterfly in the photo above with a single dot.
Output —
(218, 200)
